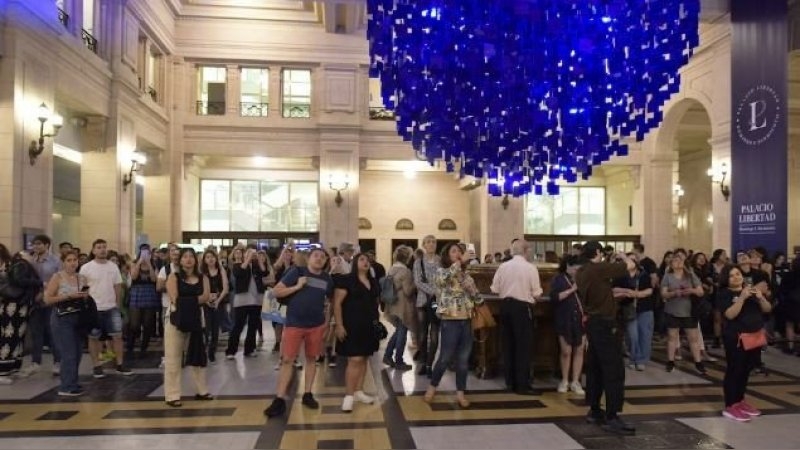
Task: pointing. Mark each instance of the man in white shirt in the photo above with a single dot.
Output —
(517, 283)
(105, 287)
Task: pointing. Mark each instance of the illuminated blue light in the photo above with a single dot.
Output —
(528, 93)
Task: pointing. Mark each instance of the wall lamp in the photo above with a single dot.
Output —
(718, 175)
(677, 190)
(338, 184)
(505, 202)
(138, 159)
(44, 115)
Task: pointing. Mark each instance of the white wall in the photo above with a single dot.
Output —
(386, 197)
(191, 202)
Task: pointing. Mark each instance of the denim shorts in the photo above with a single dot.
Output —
(110, 324)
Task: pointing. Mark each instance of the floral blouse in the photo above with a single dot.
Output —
(456, 294)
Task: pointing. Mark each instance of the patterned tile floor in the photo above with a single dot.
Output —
(671, 410)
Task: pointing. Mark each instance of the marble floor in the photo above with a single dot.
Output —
(670, 410)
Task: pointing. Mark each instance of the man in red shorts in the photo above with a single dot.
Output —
(306, 291)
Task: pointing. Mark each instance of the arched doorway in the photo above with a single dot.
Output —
(692, 196)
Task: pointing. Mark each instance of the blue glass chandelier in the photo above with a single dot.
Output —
(528, 94)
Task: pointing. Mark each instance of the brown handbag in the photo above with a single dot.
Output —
(482, 317)
(756, 339)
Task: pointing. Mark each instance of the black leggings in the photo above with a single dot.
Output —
(428, 334)
(739, 363)
(141, 318)
(244, 315)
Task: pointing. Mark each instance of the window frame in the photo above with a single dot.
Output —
(284, 95)
(558, 203)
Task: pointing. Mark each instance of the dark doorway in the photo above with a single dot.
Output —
(366, 245)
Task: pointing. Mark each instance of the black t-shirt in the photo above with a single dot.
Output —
(640, 281)
(750, 319)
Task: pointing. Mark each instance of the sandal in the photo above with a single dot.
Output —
(174, 403)
(207, 396)
(463, 403)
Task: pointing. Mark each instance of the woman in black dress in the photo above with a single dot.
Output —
(355, 305)
(568, 324)
(218, 285)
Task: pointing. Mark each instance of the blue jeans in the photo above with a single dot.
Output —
(455, 342)
(397, 343)
(41, 334)
(640, 337)
(69, 340)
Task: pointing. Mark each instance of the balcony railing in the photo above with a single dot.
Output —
(210, 108)
(89, 40)
(297, 110)
(63, 17)
(380, 113)
(252, 109)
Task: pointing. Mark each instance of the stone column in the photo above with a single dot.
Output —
(721, 207)
(339, 156)
(501, 222)
(107, 211)
(658, 218)
(232, 89)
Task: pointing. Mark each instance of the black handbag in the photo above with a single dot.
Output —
(9, 291)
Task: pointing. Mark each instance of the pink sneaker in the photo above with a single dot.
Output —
(734, 413)
(747, 409)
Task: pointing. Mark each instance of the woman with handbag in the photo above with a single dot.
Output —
(66, 291)
(355, 306)
(188, 290)
(743, 335)
(636, 307)
(569, 324)
(457, 296)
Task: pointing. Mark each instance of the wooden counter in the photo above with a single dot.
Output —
(487, 352)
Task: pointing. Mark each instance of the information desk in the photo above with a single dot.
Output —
(488, 353)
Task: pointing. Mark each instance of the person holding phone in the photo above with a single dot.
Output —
(744, 307)
(677, 289)
(65, 291)
(249, 287)
(144, 300)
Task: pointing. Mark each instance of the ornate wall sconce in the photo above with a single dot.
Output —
(138, 159)
(44, 115)
(678, 191)
(338, 183)
(718, 175)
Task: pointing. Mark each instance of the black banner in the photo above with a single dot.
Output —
(759, 102)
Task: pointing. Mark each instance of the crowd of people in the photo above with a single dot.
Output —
(608, 306)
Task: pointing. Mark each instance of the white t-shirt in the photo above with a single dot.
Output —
(162, 275)
(101, 278)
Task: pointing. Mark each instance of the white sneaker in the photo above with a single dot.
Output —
(364, 398)
(577, 388)
(563, 387)
(29, 370)
(4, 380)
(56, 369)
(347, 403)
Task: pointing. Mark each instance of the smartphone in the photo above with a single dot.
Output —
(471, 248)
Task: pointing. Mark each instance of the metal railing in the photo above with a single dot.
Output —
(253, 109)
(380, 113)
(296, 110)
(210, 108)
(89, 40)
(63, 17)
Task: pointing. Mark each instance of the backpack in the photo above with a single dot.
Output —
(388, 294)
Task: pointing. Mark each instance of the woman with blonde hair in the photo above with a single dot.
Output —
(402, 312)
